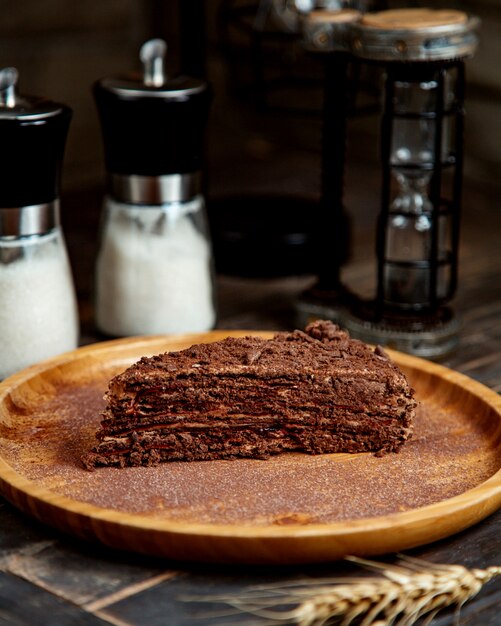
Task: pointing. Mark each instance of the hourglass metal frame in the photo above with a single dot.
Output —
(444, 207)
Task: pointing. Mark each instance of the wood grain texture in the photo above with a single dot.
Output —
(294, 540)
(413, 19)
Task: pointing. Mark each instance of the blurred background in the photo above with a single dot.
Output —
(265, 128)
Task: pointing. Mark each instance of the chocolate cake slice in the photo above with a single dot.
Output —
(316, 391)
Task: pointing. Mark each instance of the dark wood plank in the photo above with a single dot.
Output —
(84, 574)
(25, 604)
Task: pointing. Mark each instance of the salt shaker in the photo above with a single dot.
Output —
(38, 312)
(154, 269)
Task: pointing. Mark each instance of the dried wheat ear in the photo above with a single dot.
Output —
(402, 595)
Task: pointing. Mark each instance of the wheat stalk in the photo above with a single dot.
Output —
(405, 593)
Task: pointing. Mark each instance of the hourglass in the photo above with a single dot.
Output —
(326, 32)
(422, 53)
(421, 134)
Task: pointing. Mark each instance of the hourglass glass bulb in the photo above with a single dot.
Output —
(409, 232)
(408, 240)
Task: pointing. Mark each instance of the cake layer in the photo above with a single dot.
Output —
(301, 398)
(198, 443)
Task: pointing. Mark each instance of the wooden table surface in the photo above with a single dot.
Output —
(48, 578)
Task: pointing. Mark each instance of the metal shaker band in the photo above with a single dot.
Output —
(150, 190)
(36, 219)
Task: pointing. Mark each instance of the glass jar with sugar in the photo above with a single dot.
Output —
(38, 311)
(154, 269)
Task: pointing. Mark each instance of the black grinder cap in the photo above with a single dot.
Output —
(153, 125)
(33, 135)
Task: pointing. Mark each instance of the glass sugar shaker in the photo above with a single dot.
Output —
(38, 310)
(154, 268)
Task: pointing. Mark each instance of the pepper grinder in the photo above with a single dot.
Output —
(154, 268)
(38, 312)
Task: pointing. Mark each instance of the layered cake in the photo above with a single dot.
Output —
(314, 391)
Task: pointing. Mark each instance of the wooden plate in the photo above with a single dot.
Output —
(292, 508)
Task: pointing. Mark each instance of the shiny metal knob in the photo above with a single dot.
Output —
(152, 55)
(8, 81)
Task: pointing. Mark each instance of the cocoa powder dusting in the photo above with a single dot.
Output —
(449, 453)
